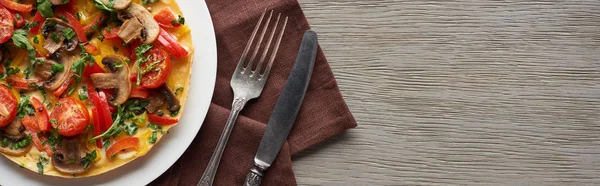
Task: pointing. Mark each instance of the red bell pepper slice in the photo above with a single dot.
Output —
(61, 11)
(98, 122)
(41, 114)
(112, 34)
(89, 70)
(160, 120)
(22, 84)
(39, 19)
(139, 92)
(37, 138)
(16, 6)
(125, 143)
(61, 89)
(30, 124)
(171, 44)
(102, 106)
(90, 48)
(97, 22)
(165, 17)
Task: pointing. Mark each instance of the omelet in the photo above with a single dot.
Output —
(87, 86)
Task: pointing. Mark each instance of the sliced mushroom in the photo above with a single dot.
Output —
(118, 78)
(133, 17)
(58, 78)
(53, 29)
(43, 70)
(13, 132)
(172, 101)
(118, 4)
(70, 158)
(155, 100)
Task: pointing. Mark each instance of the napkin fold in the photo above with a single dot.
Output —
(323, 114)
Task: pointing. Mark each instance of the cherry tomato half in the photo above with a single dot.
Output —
(70, 115)
(6, 25)
(8, 106)
(158, 77)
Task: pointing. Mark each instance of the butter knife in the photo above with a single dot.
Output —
(286, 109)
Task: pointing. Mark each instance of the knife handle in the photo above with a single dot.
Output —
(255, 175)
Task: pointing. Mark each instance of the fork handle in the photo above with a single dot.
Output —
(211, 170)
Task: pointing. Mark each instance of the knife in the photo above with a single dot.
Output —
(286, 109)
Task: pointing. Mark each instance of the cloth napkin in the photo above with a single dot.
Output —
(323, 114)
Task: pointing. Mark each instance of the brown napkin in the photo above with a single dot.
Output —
(323, 114)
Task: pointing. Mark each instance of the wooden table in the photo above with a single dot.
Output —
(463, 92)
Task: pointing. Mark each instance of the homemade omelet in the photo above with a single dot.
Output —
(87, 86)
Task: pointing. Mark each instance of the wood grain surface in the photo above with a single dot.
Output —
(463, 92)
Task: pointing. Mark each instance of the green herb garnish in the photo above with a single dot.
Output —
(23, 143)
(45, 8)
(89, 158)
(40, 165)
(54, 37)
(68, 33)
(19, 38)
(57, 68)
(139, 53)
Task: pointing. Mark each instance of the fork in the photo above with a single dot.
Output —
(247, 84)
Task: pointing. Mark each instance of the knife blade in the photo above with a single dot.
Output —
(286, 109)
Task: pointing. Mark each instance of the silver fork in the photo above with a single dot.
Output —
(247, 84)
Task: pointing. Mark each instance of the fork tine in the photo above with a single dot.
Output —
(250, 41)
(264, 55)
(260, 39)
(275, 49)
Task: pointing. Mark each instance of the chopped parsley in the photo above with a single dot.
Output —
(53, 121)
(89, 158)
(4, 142)
(102, 6)
(178, 91)
(21, 144)
(155, 130)
(54, 37)
(40, 165)
(131, 129)
(12, 71)
(139, 53)
(57, 68)
(180, 20)
(101, 38)
(45, 8)
(148, 1)
(53, 139)
(78, 68)
(27, 72)
(68, 33)
(19, 38)
(173, 114)
(24, 107)
(83, 93)
(36, 40)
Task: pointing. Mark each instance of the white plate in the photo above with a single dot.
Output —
(147, 168)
